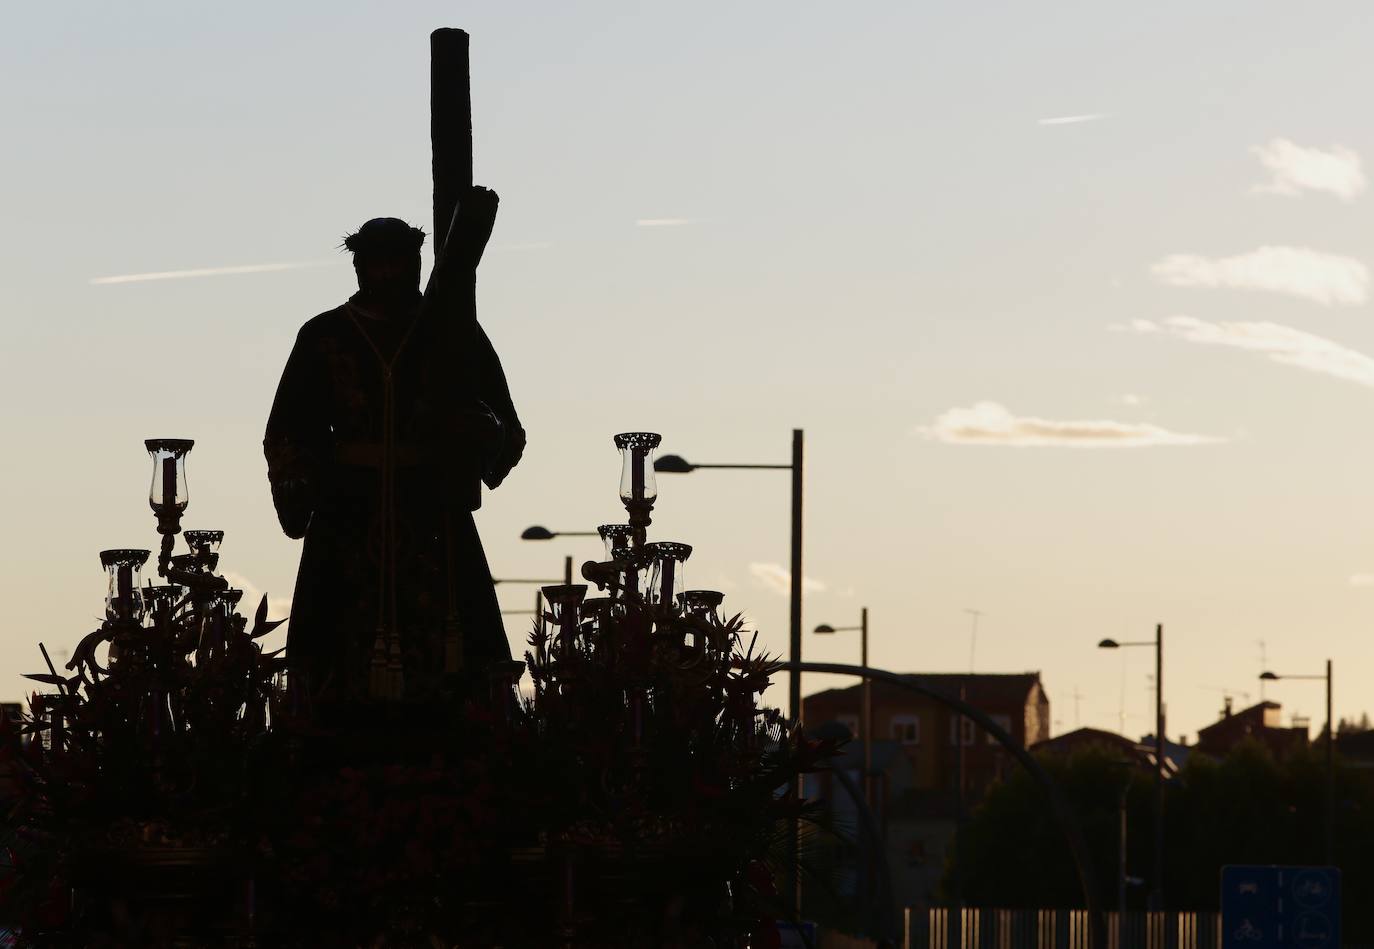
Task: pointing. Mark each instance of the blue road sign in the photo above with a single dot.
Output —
(1264, 907)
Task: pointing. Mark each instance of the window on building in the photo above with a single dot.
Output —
(851, 722)
(906, 729)
(1004, 723)
(970, 730)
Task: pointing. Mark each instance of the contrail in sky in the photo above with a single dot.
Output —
(208, 272)
(1072, 119)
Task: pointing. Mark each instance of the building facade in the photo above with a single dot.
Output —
(940, 744)
(948, 763)
(1261, 723)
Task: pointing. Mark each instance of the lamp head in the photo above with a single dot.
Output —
(536, 533)
(1268, 677)
(824, 628)
(673, 464)
(1109, 644)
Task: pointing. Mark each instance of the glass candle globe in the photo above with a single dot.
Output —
(666, 580)
(637, 482)
(615, 535)
(161, 599)
(186, 563)
(123, 586)
(702, 604)
(228, 600)
(168, 494)
(564, 599)
(631, 561)
(204, 542)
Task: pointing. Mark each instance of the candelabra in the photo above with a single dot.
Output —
(157, 634)
(161, 705)
(646, 627)
(644, 684)
(641, 772)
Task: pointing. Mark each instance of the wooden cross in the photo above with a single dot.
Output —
(450, 132)
(450, 125)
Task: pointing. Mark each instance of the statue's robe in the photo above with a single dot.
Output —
(371, 461)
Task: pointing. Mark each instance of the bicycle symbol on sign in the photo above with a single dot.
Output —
(1249, 930)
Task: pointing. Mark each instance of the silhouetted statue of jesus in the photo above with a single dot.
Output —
(390, 410)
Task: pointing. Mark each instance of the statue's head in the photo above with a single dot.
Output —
(386, 258)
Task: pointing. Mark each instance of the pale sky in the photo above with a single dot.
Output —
(1071, 299)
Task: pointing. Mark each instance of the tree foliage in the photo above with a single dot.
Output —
(1246, 808)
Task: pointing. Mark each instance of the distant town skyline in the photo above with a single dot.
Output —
(958, 246)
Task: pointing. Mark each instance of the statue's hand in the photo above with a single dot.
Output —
(467, 439)
(293, 501)
(511, 451)
(288, 472)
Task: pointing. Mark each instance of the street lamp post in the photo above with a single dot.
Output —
(538, 607)
(567, 576)
(1157, 894)
(1330, 757)
(538, 596)
(867, 724)
(538, 532)
(676, 464)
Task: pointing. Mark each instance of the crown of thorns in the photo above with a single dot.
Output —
(384, 235)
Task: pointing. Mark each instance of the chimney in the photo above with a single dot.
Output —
(1226, 707)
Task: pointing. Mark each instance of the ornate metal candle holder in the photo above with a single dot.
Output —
(160, 598)
(702, 604)
(564, 602)
(615, 535)
(168, 494)
(666, 580)
(638, 487)
(204, 543)
(123, 590)
(700, 611)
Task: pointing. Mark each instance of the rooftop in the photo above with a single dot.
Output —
(981, 688)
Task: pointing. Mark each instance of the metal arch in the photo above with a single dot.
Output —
(1068, 823)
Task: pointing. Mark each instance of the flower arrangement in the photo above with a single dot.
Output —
(172, 792)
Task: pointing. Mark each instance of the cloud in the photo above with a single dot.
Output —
(662, 221)
(1298, 271)
(523, 245)
(1362, 580)
(1282, 344)
(1295, 169)
(1131, 399)
(277, 607)
(1073, 119)
(778, 579)
(208, 272)
(988, 423)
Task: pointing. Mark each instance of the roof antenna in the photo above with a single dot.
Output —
(973, 637)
